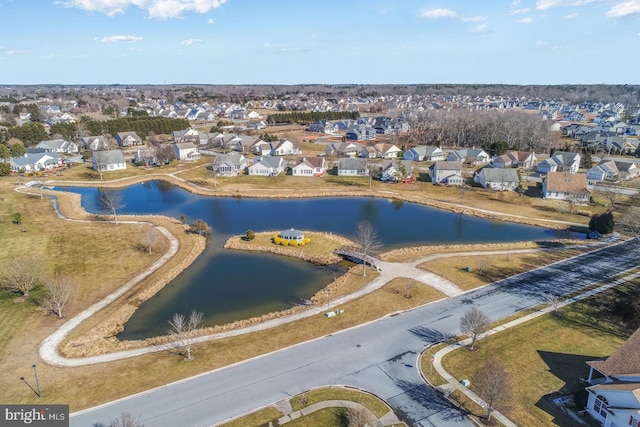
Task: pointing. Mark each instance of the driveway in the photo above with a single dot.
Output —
(380, 356)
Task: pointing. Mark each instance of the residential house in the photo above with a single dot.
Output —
(387, 151)
(146, 156)
(108, 160)
(231, 164)
(186, 151)
(284, 147)
(497, 178)
(344, 149)
(185, 135)
(368, 152)
(309, 166)
(35, 162)
(469, 156)
(128, 139)
(323, 126)
(515, 159)
(94, 143)
(566, 186)
(352, 166)
(58, 146)
(267, 166)
(612, 170)
(395, 170)
(614, 386)
(260, 147)
(447, 172)
(425, 153)
(229, 141)
(360, 132)
(560, 161)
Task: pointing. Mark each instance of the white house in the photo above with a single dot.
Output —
(470, 156)
(186, 151)
(566, 186)
(309, 166)
(267, 166)
(284, 147)
(447, 172)
(35, 162)
(128, 139)
(560, 161)
(395, 170)
(108, 160)
(497, 178)
(515, 159)
(614, 390)
(260, 147)
(387, 151)
(352, 166)
(58, 146)
(612, 170)
(231, 164)
(95, 143)
(425, 153)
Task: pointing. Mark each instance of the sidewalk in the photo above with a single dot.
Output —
(455, 384)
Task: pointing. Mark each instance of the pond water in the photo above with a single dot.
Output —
(234, 285)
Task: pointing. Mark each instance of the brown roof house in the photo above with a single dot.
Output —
(566, 186)
(614, 393)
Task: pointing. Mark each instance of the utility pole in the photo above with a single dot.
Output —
(35, 373)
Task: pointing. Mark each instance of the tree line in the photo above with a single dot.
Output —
(494, 131)
(304, 118)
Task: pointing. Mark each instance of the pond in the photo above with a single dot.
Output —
(233, 285)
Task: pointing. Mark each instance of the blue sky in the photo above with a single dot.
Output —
(313, 41)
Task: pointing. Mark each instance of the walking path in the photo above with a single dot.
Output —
(388, 272)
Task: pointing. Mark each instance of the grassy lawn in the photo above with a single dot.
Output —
(544, 356)
(309, 398)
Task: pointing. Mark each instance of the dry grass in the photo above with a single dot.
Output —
(543, 356)
(375, 405)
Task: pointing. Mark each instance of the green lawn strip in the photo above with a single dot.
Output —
(543, 356)
(321, 418)
(256, 419)
(375, 405)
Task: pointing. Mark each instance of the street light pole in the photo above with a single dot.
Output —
(35, 373)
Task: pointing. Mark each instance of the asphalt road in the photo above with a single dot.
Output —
(380, 356)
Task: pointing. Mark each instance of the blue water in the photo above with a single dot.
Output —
(234, 285)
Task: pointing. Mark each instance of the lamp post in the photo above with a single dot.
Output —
(35, 373)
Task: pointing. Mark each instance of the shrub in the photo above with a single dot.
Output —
(306, 240)
(293, 243)
(603, 224)
(284, 242)
(277, 240)
(250, 235)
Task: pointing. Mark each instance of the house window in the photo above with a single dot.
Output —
(600, 405)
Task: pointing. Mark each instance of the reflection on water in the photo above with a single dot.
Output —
(229, 285)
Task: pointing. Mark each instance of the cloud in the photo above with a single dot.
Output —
(210, 21)
(548, 4)
(161, 9)
(117, 39)
(625, 9)
(514, 8)
(450, 14)
(438, 13)
(526, 20)
(189, 42)
(542, 43)
(16, 52)
(482, 28)
(571, 16)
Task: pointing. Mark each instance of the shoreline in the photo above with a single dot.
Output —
(106, 330)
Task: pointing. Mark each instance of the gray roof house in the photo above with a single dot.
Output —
(127, 139)
(58, 146)
(470, 156)
(267, 166)
(34, 162)
(447, 172)
(560, 161)
(497, 178)
(108, 160)
(395, 170)
(515, 159)
(186, 151)
(231, 164)
(425, 153)
(352, 166)
(94, 143)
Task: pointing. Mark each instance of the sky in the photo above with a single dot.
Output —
(84, 42)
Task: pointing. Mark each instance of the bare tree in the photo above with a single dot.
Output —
(124, 420)
(473, 323)
(181, 331)
(112, 201)
(367, 241)
(554, 301)
(609, 193)
(149, 238)
(21, 274)
(59, 291)
(483, 262)
(100, 161)
(493, 384)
